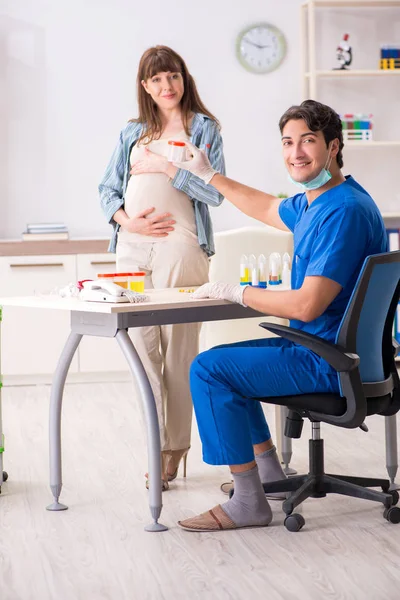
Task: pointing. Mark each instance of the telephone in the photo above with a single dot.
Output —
(106, 291)
(102, 291)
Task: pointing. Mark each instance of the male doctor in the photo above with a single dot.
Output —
(336, 225)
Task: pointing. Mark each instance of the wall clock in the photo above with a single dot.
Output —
(261, 48)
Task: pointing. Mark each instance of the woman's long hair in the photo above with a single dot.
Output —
(161, 59)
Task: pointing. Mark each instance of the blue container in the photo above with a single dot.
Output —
(385, 52)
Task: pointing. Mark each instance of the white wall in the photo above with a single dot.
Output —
(68, 71)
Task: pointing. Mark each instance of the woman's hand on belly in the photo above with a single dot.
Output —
(155, 226)
(150, 163)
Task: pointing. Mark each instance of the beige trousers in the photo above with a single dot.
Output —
(167, 351)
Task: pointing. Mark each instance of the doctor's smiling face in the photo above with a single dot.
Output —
(312, 139)
(306, 152)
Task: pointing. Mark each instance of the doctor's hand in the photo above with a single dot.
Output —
(155, 225)
(150, 163)
(199, 164)
(221, 291)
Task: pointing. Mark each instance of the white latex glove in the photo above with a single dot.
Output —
(221, 291)
(199, 164)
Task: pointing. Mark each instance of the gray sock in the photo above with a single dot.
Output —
(269, 466)
(248, 506)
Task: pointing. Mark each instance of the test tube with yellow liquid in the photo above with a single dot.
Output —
(245, 277)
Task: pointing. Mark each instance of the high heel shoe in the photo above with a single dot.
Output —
(165, 459)
(176, 456)
(168, 456)
(164, 486)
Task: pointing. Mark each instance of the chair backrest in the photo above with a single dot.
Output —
(367, 325)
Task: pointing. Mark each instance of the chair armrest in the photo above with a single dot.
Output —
(345, 363)
(334, 354)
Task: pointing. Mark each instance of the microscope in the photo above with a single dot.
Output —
(343, 53)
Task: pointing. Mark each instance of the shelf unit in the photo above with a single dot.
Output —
(311, 75)
(372, 144)
(354, 3)
(354, 73)
(309, 50)
(390, 215)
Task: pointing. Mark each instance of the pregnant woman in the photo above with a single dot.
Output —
(162, 226)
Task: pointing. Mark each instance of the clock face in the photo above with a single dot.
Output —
(261, 48)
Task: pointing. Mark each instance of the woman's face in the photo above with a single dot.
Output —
(166, 89)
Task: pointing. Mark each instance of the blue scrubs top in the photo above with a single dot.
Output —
(332, 238)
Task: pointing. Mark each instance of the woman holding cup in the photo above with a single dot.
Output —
(161, 225)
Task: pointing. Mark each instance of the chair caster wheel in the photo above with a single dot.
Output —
(294, 522)
(392, 514)
(395, 496)
(231, 492)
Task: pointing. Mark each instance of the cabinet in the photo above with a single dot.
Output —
(32, 339)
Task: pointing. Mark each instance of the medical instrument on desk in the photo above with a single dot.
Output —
(254, 276)
(122, 279)
(252, 265)
(244, 270)
(286, 271)
(136, 282)
(129, 281)
(275, 269)
(107, 291)
(262, 271)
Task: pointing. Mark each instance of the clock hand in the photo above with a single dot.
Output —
(256, 45)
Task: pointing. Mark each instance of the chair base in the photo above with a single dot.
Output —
(317, 484)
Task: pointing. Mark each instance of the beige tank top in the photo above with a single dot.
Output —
(155, 189)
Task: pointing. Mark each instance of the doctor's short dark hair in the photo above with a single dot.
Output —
(319, 117)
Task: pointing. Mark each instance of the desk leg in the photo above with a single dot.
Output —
(57, 390)
(391, 450)
(153, 429)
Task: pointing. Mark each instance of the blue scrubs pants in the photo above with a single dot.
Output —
(225, 379)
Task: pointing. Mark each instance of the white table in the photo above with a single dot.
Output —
(114, 320)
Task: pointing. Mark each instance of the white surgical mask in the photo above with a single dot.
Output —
(321, 179)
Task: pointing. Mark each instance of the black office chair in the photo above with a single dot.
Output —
(364, 357)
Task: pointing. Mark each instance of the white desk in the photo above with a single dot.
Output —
(113, 320)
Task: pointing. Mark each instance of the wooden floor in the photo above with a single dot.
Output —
(98, 550)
